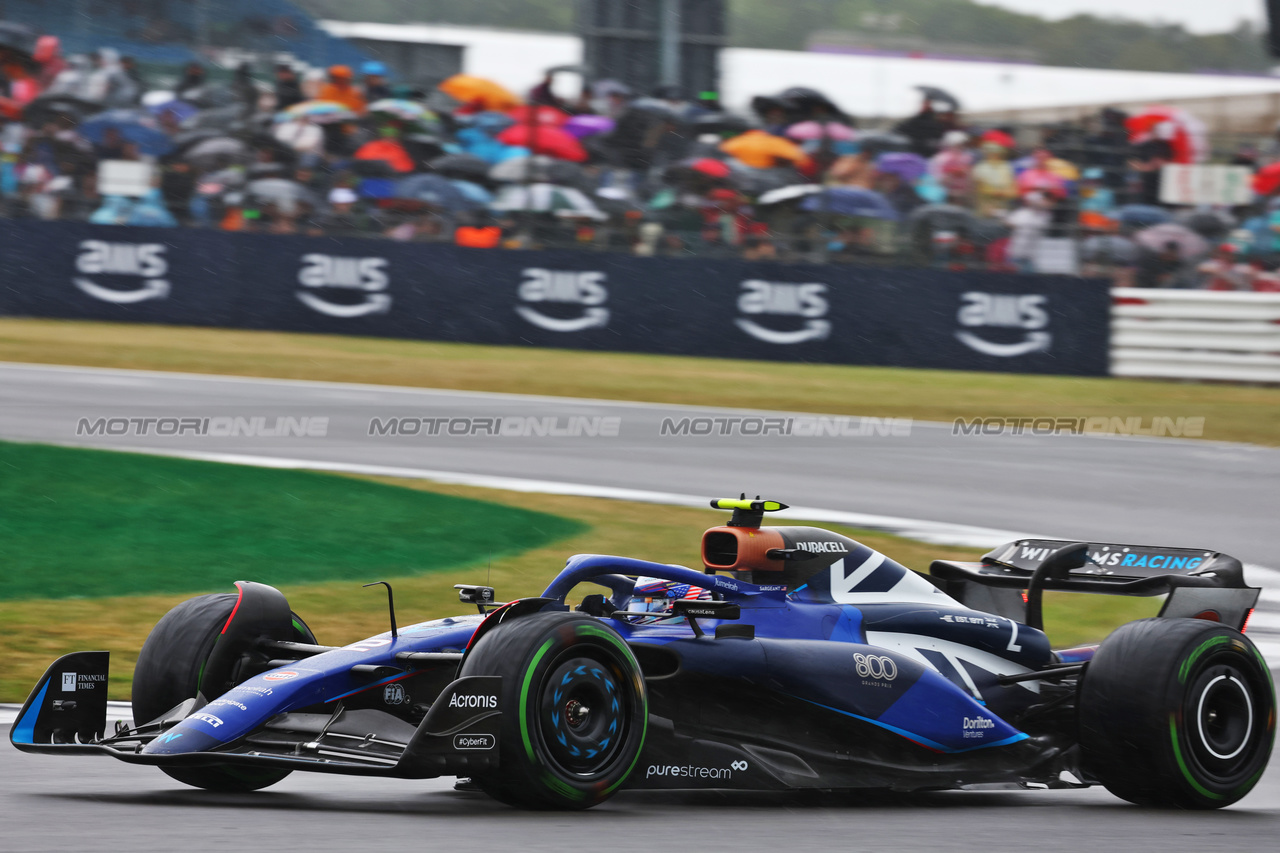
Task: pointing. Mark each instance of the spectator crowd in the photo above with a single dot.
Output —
(346, 151)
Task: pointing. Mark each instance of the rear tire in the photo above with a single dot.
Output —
(1177, 712)
(574, 710)
(170, 669)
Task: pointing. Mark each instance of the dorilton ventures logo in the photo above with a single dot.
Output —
(584, 292)
(136, 260)
(760, 299)
(1026, 313)
(332, 275)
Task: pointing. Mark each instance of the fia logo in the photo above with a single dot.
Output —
(146, 260)
(393, 694)
(566, 287)
(68, 682)
(1005, 311)
(366, 275)
(781, 299)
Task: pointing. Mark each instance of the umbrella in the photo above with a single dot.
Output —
(1265, 182)
(386, 151)
(1211, 225)
(832, 130)
(474, 192)
(491, 122)
(755, 182)
(805, 99)
(435, 191)
(720, 123)
(539, 114)
(762, 150)
(616, 200)
(942, 96)
(706, 166)
(403, 109)
(906, 165)
(537, 169)
(280, 190)
(790, 193)
(544, 139)
(17, 37)
(45, 107)
(219, 118)
(206, 152)
(1187, 135)
(1142, 215)
(180, 110)
(655, 107)
(1108, 249)
(132, 126)
(547, 198)
(487, 94)
(879, 141)
(464, 166)
(1158, 237)
(589, 125)
(941, 217)
(318, 112)
(850, 201)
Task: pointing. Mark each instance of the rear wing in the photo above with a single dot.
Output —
(1204, 584)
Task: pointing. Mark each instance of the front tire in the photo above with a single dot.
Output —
(1177, 712)
(574, 710)
(170, 670)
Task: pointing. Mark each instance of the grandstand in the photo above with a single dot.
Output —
(172, 32)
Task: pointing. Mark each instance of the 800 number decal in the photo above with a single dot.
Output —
(875, 666)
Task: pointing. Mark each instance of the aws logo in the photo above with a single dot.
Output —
(584, 290)
(367, 277)
(783, 299)
(1005, 311)
(137, 260)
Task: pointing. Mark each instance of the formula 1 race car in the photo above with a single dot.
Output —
(800, 659)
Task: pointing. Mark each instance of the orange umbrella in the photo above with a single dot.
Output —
(389, 151)
(761, 150)
(477, 90)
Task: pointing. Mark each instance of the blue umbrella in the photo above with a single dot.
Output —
(435, 191)
(850, 201)
(132, 127)
(1143, 215)
(474, 192)
(492, 122)
(180, 110)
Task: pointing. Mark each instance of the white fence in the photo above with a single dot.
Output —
(1195, 334)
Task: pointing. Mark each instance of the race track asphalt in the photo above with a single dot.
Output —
(1168, 492)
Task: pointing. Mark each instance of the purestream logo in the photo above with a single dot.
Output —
(692, 771)
(213, 427)
(573, 426)
(796, 427)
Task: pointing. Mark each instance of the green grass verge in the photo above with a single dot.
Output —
(33, 632)
(87, 523)
(1231, 412)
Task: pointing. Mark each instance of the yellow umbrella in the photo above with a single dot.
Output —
(761, 150)
(488, 94)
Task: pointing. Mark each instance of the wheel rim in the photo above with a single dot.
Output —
(1224, 724)
(582, 715)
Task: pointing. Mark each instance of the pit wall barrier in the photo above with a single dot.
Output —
(1196, 334)
(836, 314)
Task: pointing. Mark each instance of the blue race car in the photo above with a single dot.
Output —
(798, 659)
